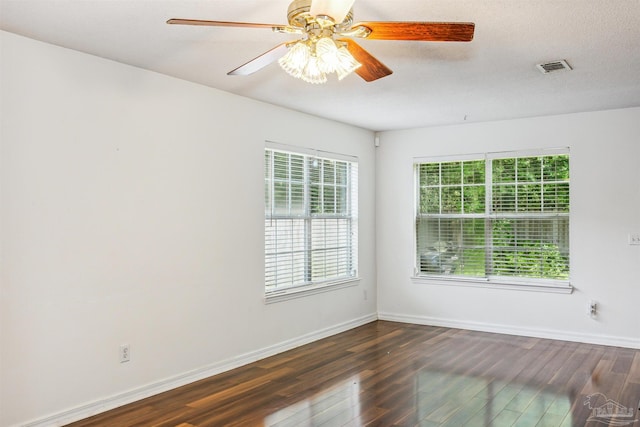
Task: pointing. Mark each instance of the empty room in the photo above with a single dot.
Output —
(319, 213)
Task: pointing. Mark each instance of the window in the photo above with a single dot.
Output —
(310, 220)
(500, 217)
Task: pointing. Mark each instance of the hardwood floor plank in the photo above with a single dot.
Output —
(623, 361)
(634, 370)
(391, 374)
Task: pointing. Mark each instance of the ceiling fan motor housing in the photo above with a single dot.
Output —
(299, 16)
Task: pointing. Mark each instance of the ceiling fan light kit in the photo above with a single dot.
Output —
(319, 54)
(311, 60)
(327, 46)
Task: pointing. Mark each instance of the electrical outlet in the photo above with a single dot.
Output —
(365, 295)
(634, 239)
(125, 353)
(592, 308)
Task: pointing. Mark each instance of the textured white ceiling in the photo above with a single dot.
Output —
(493, 77)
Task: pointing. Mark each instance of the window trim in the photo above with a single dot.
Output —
(540, 285)
(297, 291)
(293, 292)
(489, 282)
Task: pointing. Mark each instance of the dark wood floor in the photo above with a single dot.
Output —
(392, 374)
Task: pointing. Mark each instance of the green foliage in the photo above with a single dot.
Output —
(452, 187)
(472, 263)
(517, 254)
(504, 170)
(531, 184)
(531, 259)
(474, 199)
(474, 172)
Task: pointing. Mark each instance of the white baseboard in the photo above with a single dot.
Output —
(510, 330)
(103, 405)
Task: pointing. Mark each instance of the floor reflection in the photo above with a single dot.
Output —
(457, 400)
(336, 406)
(441, 399)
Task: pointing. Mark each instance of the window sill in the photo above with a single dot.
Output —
(556, 288)
(303, 291)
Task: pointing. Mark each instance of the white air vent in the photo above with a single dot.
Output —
(555, 66)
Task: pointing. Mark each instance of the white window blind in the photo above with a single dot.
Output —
(310, 219)
(499, 216)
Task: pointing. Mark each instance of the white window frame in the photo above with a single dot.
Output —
(494, 282)
(311, 287)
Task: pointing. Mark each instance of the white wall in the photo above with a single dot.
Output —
(132, 212)
(605, 208)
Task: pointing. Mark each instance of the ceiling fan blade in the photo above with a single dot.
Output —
(221, 23)
(371, 68)
(261, 61)
(420, 31)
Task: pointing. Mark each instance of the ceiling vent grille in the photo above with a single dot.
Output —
(553, 67)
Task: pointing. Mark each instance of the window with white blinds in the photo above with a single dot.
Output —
(497, 217)
(310, 220)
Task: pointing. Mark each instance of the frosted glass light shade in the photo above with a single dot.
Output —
(335, 9)
(312, 73)
(327, 54)
(312, 60)
(296, 59)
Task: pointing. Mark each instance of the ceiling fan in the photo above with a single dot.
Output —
(327, 45)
